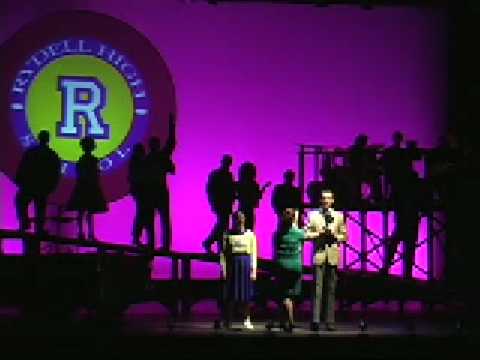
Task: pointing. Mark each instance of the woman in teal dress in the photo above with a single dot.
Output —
(289, 241)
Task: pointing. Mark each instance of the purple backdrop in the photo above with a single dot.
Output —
(256, 80)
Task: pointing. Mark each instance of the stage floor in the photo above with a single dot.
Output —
(196, 338)
(302, 329)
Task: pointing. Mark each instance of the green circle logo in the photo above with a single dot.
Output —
(51, 84)
(81, 87)
(81, 73)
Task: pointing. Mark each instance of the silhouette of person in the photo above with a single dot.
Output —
(338, 178)
(137, 178)
(159, 165)
(37, 177)
(87, 197)
(442, 163)
(286, 195)
(407, 217)
(397, 162)
(221, 196)
(448, 178)
(363, 166)
(314, 193)
(249, 192)
(405, 196)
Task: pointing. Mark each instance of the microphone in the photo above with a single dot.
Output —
(330, 239)
(328, 217)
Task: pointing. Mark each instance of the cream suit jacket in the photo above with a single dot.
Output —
(314, 229)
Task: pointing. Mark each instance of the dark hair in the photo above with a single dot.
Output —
(227, 159)
(247, 171)
(235, 216)
(398, 134)
(289, 174)
(327, 190)
(87, 144)
(361, 140)
(43, 136)
(289, 215)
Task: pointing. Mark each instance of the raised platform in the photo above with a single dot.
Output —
(118, 279)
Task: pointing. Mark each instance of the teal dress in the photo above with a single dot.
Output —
(289, 262)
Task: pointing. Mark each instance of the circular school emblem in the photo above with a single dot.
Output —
(79, 87)
(104, 80)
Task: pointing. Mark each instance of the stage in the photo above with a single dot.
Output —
(307, 96)
(389, 335)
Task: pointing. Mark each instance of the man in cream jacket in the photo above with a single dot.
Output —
(327, 228)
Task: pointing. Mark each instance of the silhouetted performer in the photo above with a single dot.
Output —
(221, 196)
(37, 177)
(249, 193)
(327, 228)
(160, 164)
(289, 242)
(397, 162)
(338, 178)
(314, 193)
(87, 197)
(406, 203)
(364, 169)
(443, 162)
(239, 268)
(406, 198)
(447, 175)
(138, 180)
(286, 195)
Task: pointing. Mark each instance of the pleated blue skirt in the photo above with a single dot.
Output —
(239, 284)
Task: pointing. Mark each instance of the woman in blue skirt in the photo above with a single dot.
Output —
(239, 267)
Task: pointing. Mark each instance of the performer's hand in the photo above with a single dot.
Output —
(253, 275)
(325, 232)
